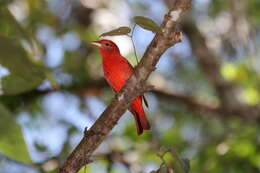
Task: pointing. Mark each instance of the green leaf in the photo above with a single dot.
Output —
(124, 30)
(12, 143)
(172, 161)
(179, 164)
(147, 24)
(10, 27)
(25, 75)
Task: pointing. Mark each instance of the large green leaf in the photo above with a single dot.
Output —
(25, 75)
(10, 27)
(11, 138)
(147, 24)
(124, 30)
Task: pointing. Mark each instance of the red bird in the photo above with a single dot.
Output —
(117, 70)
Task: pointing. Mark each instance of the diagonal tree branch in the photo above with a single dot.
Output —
(134, 86)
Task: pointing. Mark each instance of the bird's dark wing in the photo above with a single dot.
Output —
(145, 102)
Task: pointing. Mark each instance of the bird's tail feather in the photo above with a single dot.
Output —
(137, 110)
(142, 123)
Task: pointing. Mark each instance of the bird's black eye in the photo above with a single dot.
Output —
(107, 44)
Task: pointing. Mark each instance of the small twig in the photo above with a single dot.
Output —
(131, 37)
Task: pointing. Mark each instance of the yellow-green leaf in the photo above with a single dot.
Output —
(10, 27)
(179, 164)
(12, 143)
(124, 30)
(147, 24)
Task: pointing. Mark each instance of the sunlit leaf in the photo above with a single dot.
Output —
(147, 24)
(24, 74)
(244, 148)
(228, 70)
(124, 30)
(251, 96)
(12, 143)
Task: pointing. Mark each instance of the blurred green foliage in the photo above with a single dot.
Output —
(247, 77)
(24, 73)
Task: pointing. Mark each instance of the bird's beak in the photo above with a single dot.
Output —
(96, 43)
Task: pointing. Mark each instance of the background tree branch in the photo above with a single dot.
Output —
(134, 86)
(210, 65)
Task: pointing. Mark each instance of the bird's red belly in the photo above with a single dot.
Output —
(116, 78)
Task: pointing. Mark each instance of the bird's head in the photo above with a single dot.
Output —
(106, 47)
